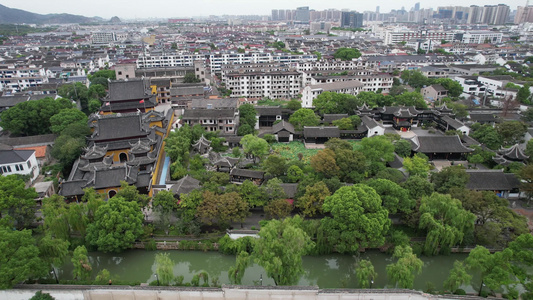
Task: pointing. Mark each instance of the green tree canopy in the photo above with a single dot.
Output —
(236, 273)
(417, 165)
(222, 209)
(117, 225)
(511, 131)
(311, 202)
(378, 149)
(254, 146)
(65, 117)
(495, 269)
(365, 274)
(280, 248)
(275, 165)
(164, 268)
(415, 78)
(454, 88)
(445, 220)
(82, 268)
(358, 218)
(404, 270)
(304, 117)
(19, 257)
(458, 276)
(394, 197)
(347, 53)
(32, 117)
(190, 78)
(402, 148)
(247, 115)
(324, 162)
(335, 103)
(17, 204)
(450, 177)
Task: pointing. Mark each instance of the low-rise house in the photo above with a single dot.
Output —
(440, 147)
(373, 127)
(283, 131)
(239, 176)
(223, 120)
(434, 92)
(320, 134)
(502, 184)
(22, 162)
(184, 186)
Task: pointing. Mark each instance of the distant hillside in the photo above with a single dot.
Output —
(12, 15)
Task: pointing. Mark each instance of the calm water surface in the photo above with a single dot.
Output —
(325, 271)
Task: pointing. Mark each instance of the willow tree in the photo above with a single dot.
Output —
(445, 220)
(404, 270)
(280, 248)
(164, 268)
(458, 276)
(236, 273)
(365, 273)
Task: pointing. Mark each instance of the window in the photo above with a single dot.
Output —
(9, 168)
(29, 164)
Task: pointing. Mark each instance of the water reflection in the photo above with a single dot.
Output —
(327, 271)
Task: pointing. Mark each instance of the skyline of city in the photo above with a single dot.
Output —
(125, 9)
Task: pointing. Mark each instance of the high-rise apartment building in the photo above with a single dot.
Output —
(302, 14)
(351, 19)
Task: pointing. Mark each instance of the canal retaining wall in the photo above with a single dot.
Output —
(73, 292)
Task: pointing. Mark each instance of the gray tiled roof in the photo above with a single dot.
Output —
(491, 180)
(118, 127)
(440, 144)
(314, 132)
(36, 140)
(127, 90)
(247, 173)
(282, 126)
(15, 156)
(208, 113)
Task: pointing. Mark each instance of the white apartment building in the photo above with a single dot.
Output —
(168, 60)
(471, 85)
(217, 60)
(310, 92)
(480, 37)
(16, 78)
(274, 85)
(393, 37)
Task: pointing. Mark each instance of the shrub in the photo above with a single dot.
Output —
(460, 292)
(150, 245)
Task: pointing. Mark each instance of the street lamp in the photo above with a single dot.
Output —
(481, 288)
(371, 283)
(156, 277)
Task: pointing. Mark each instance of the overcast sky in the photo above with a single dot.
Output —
(187, 8)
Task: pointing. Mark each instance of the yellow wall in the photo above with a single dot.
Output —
(116, 157)
(106, 191)
(161, 158)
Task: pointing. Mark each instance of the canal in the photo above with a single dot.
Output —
(325, 271)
